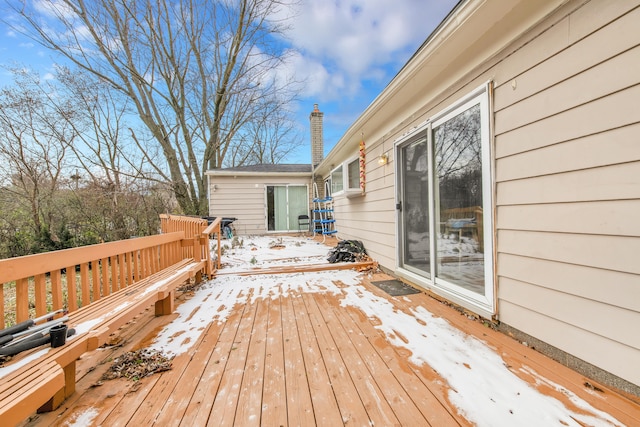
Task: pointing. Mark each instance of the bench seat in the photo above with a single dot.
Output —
(48, 376)
(37, 384)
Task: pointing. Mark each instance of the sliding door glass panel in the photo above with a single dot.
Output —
(415, 206)
(458, 202)
(298, 205)
(280, 207)
(271, 212)
(284, 204)
(276, 208)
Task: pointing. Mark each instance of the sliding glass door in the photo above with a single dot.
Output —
(284, 204)
(444, 195)
(414, 207)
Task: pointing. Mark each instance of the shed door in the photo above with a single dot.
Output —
(284, 204)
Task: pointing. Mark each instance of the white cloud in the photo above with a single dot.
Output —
(343, 43)
(319, 82)
(54, 9)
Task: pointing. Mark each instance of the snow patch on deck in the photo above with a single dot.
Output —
(481, 385)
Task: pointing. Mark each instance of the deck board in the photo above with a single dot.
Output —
(298, 399)
(350, 404)
(173, 409)
(425, 393)
(394, 396)
(370, 391)
(518, 356)
(206, 385)
(249, 407)
(226, 399)
(274, 407)
(325, 406)
(300, 359)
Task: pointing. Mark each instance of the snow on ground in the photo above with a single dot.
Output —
(243, 253)
(481, 385)
(83, 419)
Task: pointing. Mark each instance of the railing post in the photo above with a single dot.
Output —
(22, 300)
(197, 256)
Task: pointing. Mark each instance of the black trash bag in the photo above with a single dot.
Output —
(347, 251)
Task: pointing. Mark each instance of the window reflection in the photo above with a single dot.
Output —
(416, 206)
(458, 161)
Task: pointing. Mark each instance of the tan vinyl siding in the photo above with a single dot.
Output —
(615, 146)
(616, 74)
(612, 218)
(568, 186)
(543, 63)
(603, 183)
(596, 349)
(621, 289)
(593, 316)
(607, 252)
(371, 218)
(566, 120)
(596, 116)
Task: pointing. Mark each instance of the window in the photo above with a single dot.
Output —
(444, 195)
(353, 175)
(337, 180)
(345, 179)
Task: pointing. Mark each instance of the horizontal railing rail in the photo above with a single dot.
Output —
(34, 285)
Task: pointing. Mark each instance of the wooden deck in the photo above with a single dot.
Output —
(300, 360)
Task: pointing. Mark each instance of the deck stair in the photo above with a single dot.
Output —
(324, 221)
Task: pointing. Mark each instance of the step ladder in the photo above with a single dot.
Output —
(323, 220)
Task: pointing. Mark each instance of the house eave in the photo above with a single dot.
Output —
(259, 174)
(474, 31)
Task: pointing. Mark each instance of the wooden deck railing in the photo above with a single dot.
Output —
(194, 228)
(34, 285)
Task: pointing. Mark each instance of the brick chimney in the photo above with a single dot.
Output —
(317, 139)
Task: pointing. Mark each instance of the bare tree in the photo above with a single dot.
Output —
(269, 138)
(458, 150)
(196, 73)
(458, 145)
(32, 151)
(101, 150)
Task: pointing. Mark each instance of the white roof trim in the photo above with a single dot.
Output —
(245, 173)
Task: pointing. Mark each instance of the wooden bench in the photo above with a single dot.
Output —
(48, 377)
(107, 286)
(25, 390)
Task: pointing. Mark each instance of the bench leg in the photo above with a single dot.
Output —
(68, 389)
(166, 305)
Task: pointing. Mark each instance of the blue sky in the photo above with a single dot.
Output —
(347, 51)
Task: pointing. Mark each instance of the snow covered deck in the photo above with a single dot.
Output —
(328, 348)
